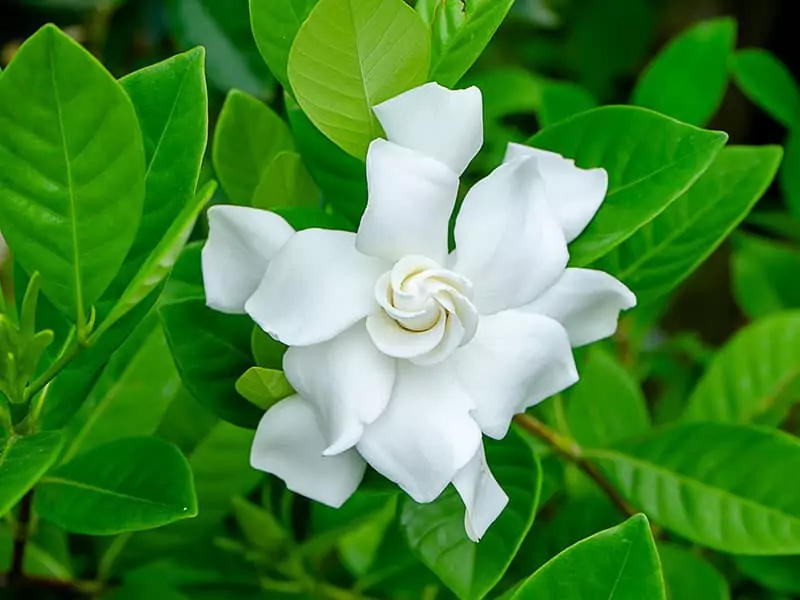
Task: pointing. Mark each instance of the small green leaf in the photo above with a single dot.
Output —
(286, 182)
(22, 462)
(71, 170)
(688, 79)
(436, 534)
(779, 573)
(755, 377)
(618, 564)
(716, 484)
(769, 83)
(763, 273)
(125, 485)
(689, 577)
(350, 55)
(260, 528)
(248, 137)
(263, 387)
(459, 30)
(650, 159)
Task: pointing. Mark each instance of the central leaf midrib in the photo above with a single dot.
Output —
(56, 480)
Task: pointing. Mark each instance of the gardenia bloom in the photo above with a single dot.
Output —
(404, 354)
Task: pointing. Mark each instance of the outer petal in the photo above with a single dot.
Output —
(426, 434)
(507, 241)
(516, 360)
(411, 198)
(574, 194)
(586, 302)
(347, 379)
(289, 444)
(317, 286)
(444, 124)
(241, 242)
(482, 495)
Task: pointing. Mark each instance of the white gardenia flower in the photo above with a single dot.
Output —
(402, 354)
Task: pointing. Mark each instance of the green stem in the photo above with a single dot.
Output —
(54, 369)
(110, 556)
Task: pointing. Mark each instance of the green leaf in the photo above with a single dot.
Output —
(768, 83)
(561, 100)
(459, 31)
(350, 55)
(790, 173)
(46, 553)
(435, 531)
(267, 351)
(125, 485)
(755, 377)
(260, 528)
(689, 577)
(763, 273)
(22, 462)
(688, 79)
(606, 405)
(275, 25)
(263, 387)
(286, 182)
(716, 484)
(248, 137)
(651, 160)
(663, 252)
(71, 170)
(779, 573)
(618, 564)
(211, 349)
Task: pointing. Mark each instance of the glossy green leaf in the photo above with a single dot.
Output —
(606, 405)
(769, 83)
(22, 462)
(275, 25)
(663, 252)
(716, 484)
(211, 349)
(125, 485)
(263, 387)
(689, 577)
(562, 100)
(650, 159)
(286, 182)
(755, 377)
(779, 573)
(71, 170)
(688, 79)
(763, 273)
(618, 564)
(435, 531)
(248, 137)
(350, 55)
(459, 31)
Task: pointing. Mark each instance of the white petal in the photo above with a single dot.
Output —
(393, 340)
(426, 435)
(317, 286)
(482, 495)
(507, 241)
(444, 124)
(586, 302)
(410, 201)
(516, 360)
(289, 444)
(241, 242)
(348, 380)
(574, 194)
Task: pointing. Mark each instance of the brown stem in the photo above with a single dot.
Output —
(15, 575)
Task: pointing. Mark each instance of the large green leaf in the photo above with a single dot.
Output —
(125, 485)
(436, 533)
(662, 253)
(286, 183)
(651, 160)
(459, 30)
(789, 175)
(689, 577)
(779, 573)
(769, 83)
(22, 462)
(764, 275)
(211, 349)
(606, 405)
(716, 484)
(248, 137)
(275, 25)
(688, 79)
(71, 170)
(755, 377)
(350, 55)
(617, 564)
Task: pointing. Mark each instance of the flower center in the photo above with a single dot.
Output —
(426, 311)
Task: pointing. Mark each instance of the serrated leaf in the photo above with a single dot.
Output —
(769, 83)
(763, 273)
(689, 577)
(263, 387)
(286, 182)
(650, 159)
(350, 55)
(22, 463)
